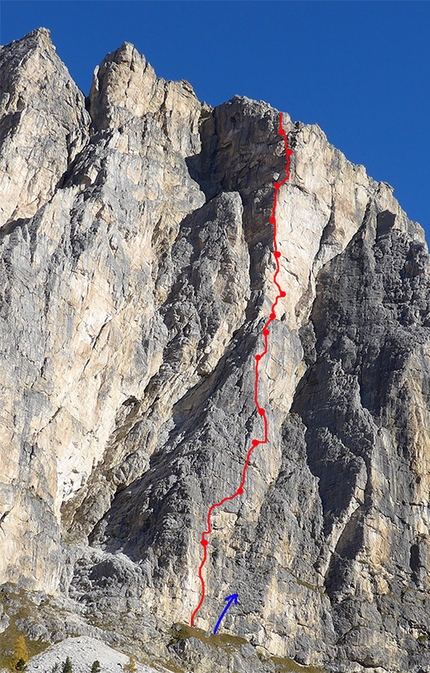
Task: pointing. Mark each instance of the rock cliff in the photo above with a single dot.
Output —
(136, 273)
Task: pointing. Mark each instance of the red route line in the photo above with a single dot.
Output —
(261, 411)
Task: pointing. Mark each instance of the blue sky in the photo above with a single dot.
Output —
(361, 70)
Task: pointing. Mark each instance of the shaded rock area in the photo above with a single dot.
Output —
(136, 273)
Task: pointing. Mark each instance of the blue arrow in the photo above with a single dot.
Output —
(231, 599)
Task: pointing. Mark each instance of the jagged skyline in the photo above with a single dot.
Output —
(136, 268)
(358, 69)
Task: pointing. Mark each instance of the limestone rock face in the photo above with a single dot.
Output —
(43, 124)
(136, 276)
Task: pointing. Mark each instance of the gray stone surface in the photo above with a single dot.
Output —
(135, 279)
(83, 652)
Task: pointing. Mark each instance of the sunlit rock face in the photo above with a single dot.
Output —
(136, 276)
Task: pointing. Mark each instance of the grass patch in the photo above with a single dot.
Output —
(17, 606)
(312, 587)
(285, 665)
(8, 639)
(172, 666)
(224, 640)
